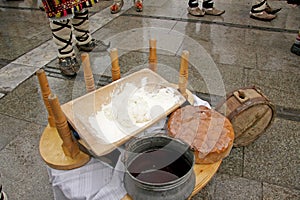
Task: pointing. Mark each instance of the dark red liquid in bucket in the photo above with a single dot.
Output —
(159, 166)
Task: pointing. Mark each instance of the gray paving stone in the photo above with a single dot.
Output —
(233, 77)
(4, 62)
(23, 173)
(100, 6)
(274, 192)
(207, 192)
(233, 44)
(267, 58)
(22, 33)
(281, 87)
(13, 75)
(28, 100)
(233, 164)
(274, 156)
(161, 9)
(9, 130)
(125, 23)
(233, 187)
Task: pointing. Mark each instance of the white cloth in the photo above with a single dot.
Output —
(97, 180)
(93, 181)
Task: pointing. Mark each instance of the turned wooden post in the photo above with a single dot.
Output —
(45, 89)
(69, 146)
(88, 74)
(152, 55)
(115, 67)
(183, 73)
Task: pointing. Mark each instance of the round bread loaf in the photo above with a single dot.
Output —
(208, 133)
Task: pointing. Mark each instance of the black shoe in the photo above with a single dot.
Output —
(295, 49)
(68, 66)
(93, 44)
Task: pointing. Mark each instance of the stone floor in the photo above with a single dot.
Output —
(226, 53)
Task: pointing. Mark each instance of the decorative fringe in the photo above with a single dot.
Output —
(62, 8)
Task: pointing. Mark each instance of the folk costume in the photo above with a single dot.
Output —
(65, 15)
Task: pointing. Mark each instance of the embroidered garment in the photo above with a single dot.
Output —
(56, 9)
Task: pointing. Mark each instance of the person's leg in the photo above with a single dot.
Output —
(81, 26)
(194, 9)
(296, 46)
(85, 42)
(258, 11)
(208, 6)
(62, 37)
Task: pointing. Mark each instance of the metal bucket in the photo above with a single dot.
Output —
(160, 168)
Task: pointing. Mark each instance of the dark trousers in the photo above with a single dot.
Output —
(205, 4)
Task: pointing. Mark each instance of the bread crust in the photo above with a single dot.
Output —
(209, 133)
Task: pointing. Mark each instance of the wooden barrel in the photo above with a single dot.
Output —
(250, 113)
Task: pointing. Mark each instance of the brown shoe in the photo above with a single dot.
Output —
(263, 16)
(196, 11)
(68, 66)
(270, 10)
(214, 11)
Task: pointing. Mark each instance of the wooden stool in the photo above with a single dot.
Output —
(45, 90)
(184, 73)
(152, 55)
(88, 74)
(115, 67)
(57, 146)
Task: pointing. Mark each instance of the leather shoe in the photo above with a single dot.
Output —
(214, 11)
(263, 16)
(196, 11)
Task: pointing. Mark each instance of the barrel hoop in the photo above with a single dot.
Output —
(230, 94)
(248, 104)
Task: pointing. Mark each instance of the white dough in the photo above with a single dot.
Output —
(117, 120)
